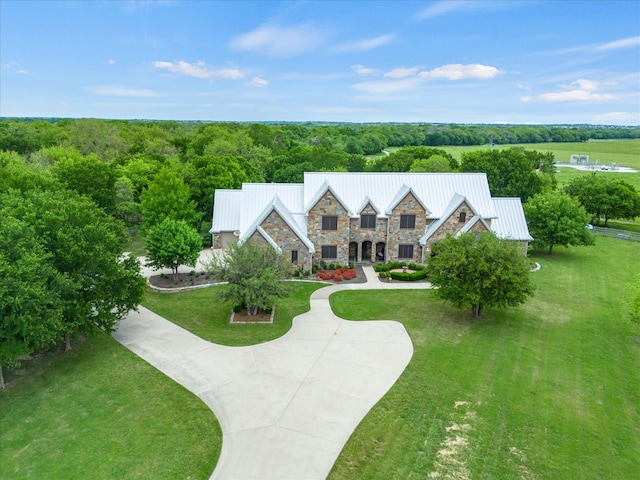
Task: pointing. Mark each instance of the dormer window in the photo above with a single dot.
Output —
(463, 217)
(407, 221)
(367, 221)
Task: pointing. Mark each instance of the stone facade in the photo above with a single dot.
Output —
(287, 240)
(328, 205)
(453, 225)
(409, 205)
(376, 235)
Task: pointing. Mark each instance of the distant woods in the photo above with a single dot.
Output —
(133, 169)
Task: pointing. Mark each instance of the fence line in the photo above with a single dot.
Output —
(616, 233)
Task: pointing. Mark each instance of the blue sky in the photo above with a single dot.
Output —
(455, 61)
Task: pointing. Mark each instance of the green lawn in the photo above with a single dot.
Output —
(100, 412)
(202, 313)
(553, 387)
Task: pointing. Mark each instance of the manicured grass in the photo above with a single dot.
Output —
(202, 313)
(100, 412)
(553, 386)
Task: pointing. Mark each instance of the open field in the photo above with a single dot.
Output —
(553, 387)
(100, 412)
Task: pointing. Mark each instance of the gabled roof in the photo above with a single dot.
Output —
(278, 206)
(469, 225)
(402, 193)
(326, 186)
(365, 202)
(432, 189)
(511, 223)
(454, 204)
(269, 240)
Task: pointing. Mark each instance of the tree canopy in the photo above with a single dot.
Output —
(479, 271)
(557, 219)
(172, 243)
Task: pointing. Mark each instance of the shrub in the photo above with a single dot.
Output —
(408, 277)
(237, 308)
(268, 310)
(336, 277)
(314, 269)
(323, 265)
(323, 276)
(382, 267)
(383, 274)
(332, 266)
(412, 266)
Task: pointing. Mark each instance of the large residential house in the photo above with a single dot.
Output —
(364, 217)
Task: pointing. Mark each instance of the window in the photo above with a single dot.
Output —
(407, 221)
(463, 217)
(294, 256)
(405, 251)
(330, 222)
(367, 221)
(329, 251)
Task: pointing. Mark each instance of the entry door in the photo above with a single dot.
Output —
(366, 251)
(353, 252)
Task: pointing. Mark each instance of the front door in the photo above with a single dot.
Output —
(366, 251)
(380, 255)
(353, 252)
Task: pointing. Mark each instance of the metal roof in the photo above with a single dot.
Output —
(226, 211)
(511, 223)
(435, 190)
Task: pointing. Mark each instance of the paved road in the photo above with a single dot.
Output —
(286, 407)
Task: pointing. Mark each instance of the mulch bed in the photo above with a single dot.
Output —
(242, 317)
(183, 280)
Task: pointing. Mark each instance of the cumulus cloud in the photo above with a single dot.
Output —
(581, 90)
(281, 41)
(112, 61)
(362, 70)
(257, 82)
(618, 117)
(199, 70)
(364, 45)
(402, 72)
(456, 71)
(388, 87)
(114, 91)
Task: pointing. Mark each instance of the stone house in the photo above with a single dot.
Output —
(364, 217)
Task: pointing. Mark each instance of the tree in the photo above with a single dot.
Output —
(557, 219)
(30, 306)
(173, 243)
(85, 247)
(255, 275)
(167, 197)
(605, 197)
(435, 163)
(512, 172)
(479, 272)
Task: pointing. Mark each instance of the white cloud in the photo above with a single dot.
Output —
(362, 70)
(113, 91)
(525, 99)
(23, 72)
(281, 41)
(447, 6)
(456, 71)
(364, 45)
(257, 82)
(402, 72)
(623, 43)
(112, 61)
(581, 90)
(199, 70)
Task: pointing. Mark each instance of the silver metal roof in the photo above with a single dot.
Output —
(511, 223)
(226, 211)
(434, 189)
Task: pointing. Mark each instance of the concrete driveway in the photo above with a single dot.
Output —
(286, 407)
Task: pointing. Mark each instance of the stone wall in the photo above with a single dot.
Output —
(373, 235)
(404, 236)
(452, 224)
(329, 205)
(286, 239)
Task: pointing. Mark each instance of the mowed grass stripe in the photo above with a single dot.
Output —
(555, 384)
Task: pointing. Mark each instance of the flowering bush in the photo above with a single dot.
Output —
(337, 275)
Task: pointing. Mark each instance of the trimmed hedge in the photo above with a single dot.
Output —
(408, 277)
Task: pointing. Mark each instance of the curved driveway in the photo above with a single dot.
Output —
(288, 406)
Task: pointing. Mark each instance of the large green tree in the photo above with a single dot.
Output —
(605, 197)
(255, 274)
(557, 219)
(30, 305)
(172, 243)
(84, 245)
(512, 172)
(167, 197)
(479, 272)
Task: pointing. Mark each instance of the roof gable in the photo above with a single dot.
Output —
(401, 195)
(322, 191)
